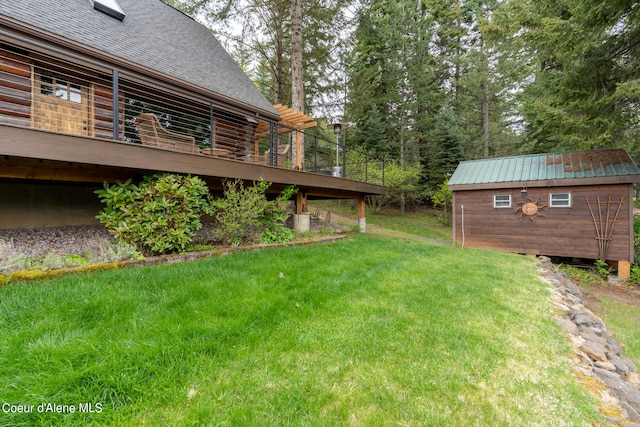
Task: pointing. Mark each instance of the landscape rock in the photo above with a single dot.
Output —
(581, 318)
(596, 351)
(598, 354)
(606, 365)
(567, 325)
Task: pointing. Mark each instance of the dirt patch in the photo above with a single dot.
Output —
(593, 294)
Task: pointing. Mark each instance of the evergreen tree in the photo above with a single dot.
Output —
(447, 150)
(584, 77)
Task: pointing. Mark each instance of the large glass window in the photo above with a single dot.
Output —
(61, 89)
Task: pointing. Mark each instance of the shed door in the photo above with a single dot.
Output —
(61, 105)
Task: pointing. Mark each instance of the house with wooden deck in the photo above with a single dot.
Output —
(575, 205)
(106, 90)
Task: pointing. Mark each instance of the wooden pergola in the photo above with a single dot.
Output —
(290, 121)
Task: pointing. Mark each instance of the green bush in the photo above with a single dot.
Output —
(160, 215)
(275, 216)
(635, 274)
(245, 214)
(635, 267)
(444, 197)
(602, 268)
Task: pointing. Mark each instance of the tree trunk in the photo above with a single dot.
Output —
(278, 59)
(297, 83)
(485, 100)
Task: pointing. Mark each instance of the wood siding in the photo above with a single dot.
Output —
(15, 89)
(236, 137)
(556, 231)
(102, 111)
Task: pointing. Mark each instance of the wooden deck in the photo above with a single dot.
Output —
(33, 154)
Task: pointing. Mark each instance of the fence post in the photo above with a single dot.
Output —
(366, 167)
(212, 125)
(315, 153)
(115, 104)
(344, 157)
(273, 144)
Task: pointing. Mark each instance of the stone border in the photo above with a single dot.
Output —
(27, 275)
(598, 362)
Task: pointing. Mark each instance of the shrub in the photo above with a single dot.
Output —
(10, 258)
(275, 216)
(245, 214)
(117, 251)
(635, 275)
(160, 215)
(444, 197)
(602, 268)
(635, 267)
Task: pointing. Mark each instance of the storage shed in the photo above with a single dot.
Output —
(575, 204)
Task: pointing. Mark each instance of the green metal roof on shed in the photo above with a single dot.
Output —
(547, 169)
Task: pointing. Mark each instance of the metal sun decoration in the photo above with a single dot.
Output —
(530, 209)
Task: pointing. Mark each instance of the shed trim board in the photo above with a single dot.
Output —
(530, 225)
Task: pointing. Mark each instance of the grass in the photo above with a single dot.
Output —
(622, 319)
(365, 332)
(421, 222)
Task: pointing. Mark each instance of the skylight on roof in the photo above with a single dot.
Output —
(110, 7)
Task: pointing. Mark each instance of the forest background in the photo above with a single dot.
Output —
(425, 84)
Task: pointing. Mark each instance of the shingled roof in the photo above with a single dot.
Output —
(550, 169)
(153, 35)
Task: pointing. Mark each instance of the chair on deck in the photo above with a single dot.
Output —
(152, 134)
(283, 150)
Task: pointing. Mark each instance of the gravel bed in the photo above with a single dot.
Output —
(36, 242)
(84, 239)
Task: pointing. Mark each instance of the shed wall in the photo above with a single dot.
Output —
(556, 231)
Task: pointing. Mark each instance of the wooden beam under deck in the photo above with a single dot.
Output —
(33, 154)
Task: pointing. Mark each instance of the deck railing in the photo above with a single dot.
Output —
(56, 90)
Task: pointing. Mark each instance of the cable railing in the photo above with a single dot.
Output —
(45, 89)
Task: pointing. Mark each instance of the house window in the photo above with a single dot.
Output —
(560, 200)
(61, 89)
(502, 201)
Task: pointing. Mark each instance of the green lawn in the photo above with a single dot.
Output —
(622, 320)
(421, 222)
(365, 332)
(424, 224)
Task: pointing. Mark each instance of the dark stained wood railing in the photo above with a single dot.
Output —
(54, 90)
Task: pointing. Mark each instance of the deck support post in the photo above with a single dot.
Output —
(301, 219)
(624, 269)
(362, 220)
(301, 202)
